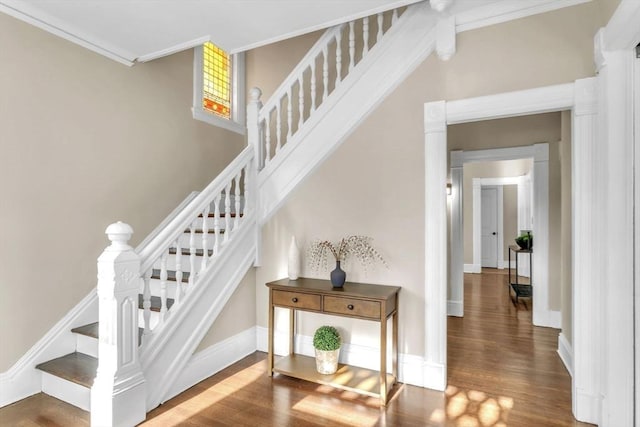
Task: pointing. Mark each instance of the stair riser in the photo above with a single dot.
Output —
(87, 345)
(66, 391)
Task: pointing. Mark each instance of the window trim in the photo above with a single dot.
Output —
(237, 121)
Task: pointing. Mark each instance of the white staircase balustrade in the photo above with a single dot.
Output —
(276, 121)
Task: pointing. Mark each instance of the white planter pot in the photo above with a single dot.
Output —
(327, 361)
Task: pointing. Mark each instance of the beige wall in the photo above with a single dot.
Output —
(374, 183)
(510, 218)
(85, 141)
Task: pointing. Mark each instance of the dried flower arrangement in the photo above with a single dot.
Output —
(353, 246)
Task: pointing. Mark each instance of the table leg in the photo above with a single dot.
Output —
(383, 356)
(292, 330)
(394, 343)
(271, 332)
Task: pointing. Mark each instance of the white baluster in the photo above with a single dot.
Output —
(365, 35)
(146, 304)
(163, 286)
(352, 45)
(248, 177)
(338, 57)
(192, 254)
(301, 100)
(278, 128)
(205, 236)
(178, 271)
(267, 140)
(227, 212)
(289, 114)
(216, 227)
(236, 222)
(254, 125)
(325, 73)
(380, 24)
(394, 16)
(313, 86)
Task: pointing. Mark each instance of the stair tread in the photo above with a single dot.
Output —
(199, 231)
(76, 367)
(222, 215)
(171, 275)
(92, 330)
(155, 302)
(187, 252)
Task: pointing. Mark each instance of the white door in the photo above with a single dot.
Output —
(489, 229)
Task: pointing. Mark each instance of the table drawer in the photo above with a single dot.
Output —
(352, 307)
(297, 300)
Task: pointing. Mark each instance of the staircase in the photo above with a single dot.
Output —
(157, 301)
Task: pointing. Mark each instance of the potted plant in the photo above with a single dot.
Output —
(525, 240)
(327, 343)
(357, 246)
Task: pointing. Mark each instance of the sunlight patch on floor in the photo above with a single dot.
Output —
(472, 408)
(213, 394)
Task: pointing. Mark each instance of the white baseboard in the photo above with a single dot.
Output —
(547, 319)
(587, 408)
(213, 359)
(434, 376)
(565, 351)
(22, 379)
(455, 308)
(472, 268)
(411, 368)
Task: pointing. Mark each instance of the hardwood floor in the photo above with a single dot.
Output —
(502, 372)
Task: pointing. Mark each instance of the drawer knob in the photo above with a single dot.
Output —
(294, 299)
(350, 306)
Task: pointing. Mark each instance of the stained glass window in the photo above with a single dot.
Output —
(216, 84)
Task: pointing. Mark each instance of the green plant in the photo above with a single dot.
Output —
(327, 338)
(525, 240)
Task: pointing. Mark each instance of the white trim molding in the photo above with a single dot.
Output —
(565, 351)
(455, 308)
(472, 268)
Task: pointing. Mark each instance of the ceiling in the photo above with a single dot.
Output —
(141, 30)
(131, 31)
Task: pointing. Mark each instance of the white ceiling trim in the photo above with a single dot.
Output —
(508, 10)
(49, 24)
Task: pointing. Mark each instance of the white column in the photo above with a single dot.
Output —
(540, 269)
(586, 179)
(615, 80)
(118, 395)
(435, 364)
(455, 304)
(477, 220)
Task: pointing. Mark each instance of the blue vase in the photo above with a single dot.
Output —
(338, 276)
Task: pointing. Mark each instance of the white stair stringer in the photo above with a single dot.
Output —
(164, 357)
(403, 48)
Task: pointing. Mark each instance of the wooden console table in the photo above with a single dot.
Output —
(358, 300)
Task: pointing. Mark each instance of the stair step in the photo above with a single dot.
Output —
(222, 215)
(155, 303)
(199, 231)
(187, 252)
(75, 367)
(171, 275)
(92, 330)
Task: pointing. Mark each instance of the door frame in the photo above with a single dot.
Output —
(579, 97)
(542, 314)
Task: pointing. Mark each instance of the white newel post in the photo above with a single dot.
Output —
(435, 132)
(118, 395)
(254, 139)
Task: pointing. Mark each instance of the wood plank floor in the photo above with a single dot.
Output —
(502, 372)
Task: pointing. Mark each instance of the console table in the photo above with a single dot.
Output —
(521, 289)
(359, 300)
